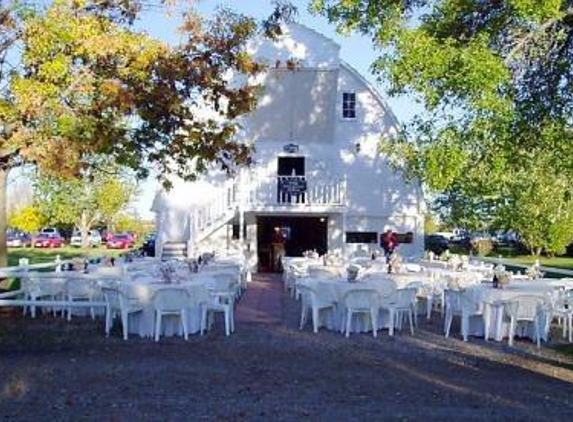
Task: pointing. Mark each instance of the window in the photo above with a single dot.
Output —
(349, 105)
(405, 237)
(361, 237)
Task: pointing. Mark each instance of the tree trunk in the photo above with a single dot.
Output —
(85, 227)
(3, 216)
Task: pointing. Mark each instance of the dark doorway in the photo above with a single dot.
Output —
(300, 234)
(289, 165)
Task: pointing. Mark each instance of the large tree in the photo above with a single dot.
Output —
(496, 82)
(83, 202)
(88, 84)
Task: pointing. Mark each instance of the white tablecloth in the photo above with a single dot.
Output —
(334, 290)
(487, 296)
(142, 290)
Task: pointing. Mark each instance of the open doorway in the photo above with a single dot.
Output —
(298, 234)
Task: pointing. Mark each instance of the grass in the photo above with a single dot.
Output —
(40, 255)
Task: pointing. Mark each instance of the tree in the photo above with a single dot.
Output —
(83, 202)
(89, 84)
(28, 219)
(496, 82)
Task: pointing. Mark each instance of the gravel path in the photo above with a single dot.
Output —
(54, 370)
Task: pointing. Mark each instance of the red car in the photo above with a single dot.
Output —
(120, 241)
(48, 241)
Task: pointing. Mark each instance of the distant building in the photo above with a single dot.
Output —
(318, 174)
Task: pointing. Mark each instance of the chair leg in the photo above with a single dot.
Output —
(157, 325)
(227, 323)
(429, 304)
(203, 319)
(315, 315)
(107, 321)
(184, 319)
(348, 321)
(570, 318)
(125, 324)
(302, 317)
(449, 318)
(411, 322)
(392, 321)
(511, 331)
(374, 319)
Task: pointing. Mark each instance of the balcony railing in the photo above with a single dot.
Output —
(296, 190)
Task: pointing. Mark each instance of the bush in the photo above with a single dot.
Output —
(482, 247)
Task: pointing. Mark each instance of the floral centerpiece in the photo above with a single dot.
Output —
(395, 263)
(167, 272)
(311, 254)
(501, 277)
(534, 272)
(352, 272)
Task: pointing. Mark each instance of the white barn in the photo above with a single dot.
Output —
(318, 172)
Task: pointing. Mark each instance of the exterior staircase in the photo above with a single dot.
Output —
(174, 250)
(244, 193)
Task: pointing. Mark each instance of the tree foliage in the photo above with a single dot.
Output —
(496, 82)
(29, 219)
(78, 81)
(83, 202)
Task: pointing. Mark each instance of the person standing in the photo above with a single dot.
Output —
(278, 249)
(389, 243)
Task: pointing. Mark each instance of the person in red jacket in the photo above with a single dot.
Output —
(389, 242)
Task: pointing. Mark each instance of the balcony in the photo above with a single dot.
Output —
(295, 192)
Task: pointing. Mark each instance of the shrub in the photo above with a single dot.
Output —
(482, 247)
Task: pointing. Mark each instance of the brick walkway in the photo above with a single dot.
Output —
(263, 301)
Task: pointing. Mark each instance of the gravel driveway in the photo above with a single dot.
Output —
(54, 370)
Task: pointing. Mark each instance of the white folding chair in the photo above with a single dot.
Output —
(459, 303)
(563, 310)
(172, 301)
(403, 303)
(361, 301)
(313, 302)
(118, 303)
(222, 300)
(526, 310)
(81, 289)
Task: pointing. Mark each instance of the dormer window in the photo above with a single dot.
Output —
(349, 105)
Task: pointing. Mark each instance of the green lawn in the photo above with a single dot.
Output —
(564, 262)
(40, 255)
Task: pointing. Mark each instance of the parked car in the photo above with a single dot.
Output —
(94, 238)
(148, 247)
(50, 231)
(18, 240)
(120, 241)
(436, 243)
(48, 241)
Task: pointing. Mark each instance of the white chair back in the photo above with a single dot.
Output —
(170, 299)
(81, 288)
(525, 307)
(406, 297)
(362, 299)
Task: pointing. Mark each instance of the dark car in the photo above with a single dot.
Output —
(437, 244)
(148, 247)
(18, 240)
